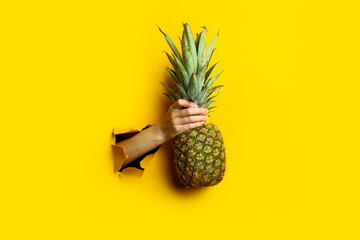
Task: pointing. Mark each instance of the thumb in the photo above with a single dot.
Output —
(181, 103)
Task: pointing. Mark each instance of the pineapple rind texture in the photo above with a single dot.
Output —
(200, 156)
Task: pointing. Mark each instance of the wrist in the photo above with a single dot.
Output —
(160, 135)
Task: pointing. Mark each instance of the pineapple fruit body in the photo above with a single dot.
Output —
(200, 156)
(199, 152)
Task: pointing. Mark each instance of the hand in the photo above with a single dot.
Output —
(181, 116)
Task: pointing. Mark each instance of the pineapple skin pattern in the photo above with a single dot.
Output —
(200, 152)
(200, 156)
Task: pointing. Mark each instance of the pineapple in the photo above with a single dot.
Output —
(200, 152)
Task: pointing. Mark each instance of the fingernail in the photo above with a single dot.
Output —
(206, 111)
(194, 105)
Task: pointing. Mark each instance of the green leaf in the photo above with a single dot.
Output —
(201, 50)
(208, 73)
(212, 107)
(182, 91)
(207, 104)
(201, 74)
(182, 71)
(184, 43)
(210, 81)
(173, 76)
(189, 63)
(171, 44)
(171, 60)
(193, 87)
(197, 42)
(174, 94)
(210, 99)
(212, 90)
(202, 97)
(191, 44)
(171, 97)
(208, 62)
(210, 48)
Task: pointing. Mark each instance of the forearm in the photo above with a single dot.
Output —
(181, 116)
(142, 143)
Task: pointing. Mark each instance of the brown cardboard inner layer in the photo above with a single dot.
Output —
(120, 153)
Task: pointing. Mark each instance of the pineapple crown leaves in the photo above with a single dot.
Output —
(191, 72)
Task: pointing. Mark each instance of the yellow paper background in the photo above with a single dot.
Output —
(71, 71)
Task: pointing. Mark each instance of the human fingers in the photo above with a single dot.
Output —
(182, 103)
(190, 111)
(188, 126)
(191, 119)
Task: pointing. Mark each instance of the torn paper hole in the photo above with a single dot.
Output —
(135, 168)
